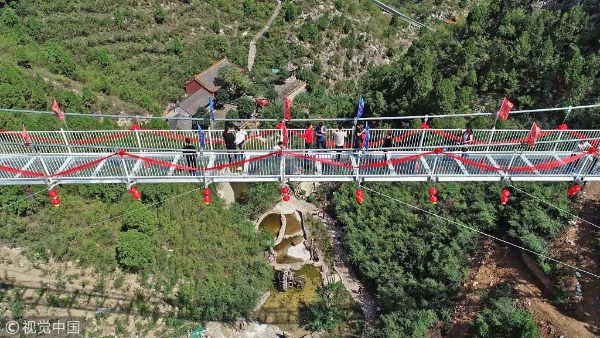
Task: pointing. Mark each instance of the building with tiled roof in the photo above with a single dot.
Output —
(206, 79)
(198, 90)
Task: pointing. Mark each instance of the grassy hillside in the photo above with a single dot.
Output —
(134, 57)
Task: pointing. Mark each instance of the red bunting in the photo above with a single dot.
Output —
(505, 109)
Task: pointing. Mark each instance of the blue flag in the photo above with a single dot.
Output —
(201, 136)
(361, 107)
(367, 135)
(211, 109)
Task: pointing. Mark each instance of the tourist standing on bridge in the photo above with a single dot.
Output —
(308, 137)
(467, 139)
(321, 136)
(339, 140)
(276, 164)
(359, 131)
(581, 147)
(240, 139)
(388, 141)
(229, 140)
(189, 153)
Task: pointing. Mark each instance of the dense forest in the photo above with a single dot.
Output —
(415, 262)
(539, 57)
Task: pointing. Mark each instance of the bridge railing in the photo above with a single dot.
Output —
(140, 140)
(299, 165)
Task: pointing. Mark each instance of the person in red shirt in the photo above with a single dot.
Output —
(308, 137)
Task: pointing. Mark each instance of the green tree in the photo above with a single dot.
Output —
(328, 310)
(177, 46)
(142, 220)
(245, 107)
(9, 17)
(259, 197)
(501, 318)
(289, 11)
(159, 14)
(216, 26)
(134, 251)
(234, 80)
(250, 7)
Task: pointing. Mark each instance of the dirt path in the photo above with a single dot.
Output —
(252, 52)
(578, 246)
(501, 264)
(496, 263)
(342, 264)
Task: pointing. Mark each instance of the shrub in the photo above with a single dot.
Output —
(142, 219)
(159, 14)
(134, 252)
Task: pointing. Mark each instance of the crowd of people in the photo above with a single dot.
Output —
(235, 137)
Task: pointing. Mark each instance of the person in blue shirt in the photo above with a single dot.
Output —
(321, 136)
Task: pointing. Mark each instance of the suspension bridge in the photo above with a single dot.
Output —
(156, 156)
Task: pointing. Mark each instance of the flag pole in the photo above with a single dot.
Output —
(487, 149)
(489, 141)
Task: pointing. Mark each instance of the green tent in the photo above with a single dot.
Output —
(197, 333)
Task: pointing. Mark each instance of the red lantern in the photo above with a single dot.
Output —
(133, 190)
(53, 194)
(360, 192)
(577, 188)
(206, 199)
(433, 199)
(503, 199)
(432, 191)
(360, 199)
(285, 189)
(505, 192)
(206, 192)
(137, 196)
(55, 202)
(286, 198)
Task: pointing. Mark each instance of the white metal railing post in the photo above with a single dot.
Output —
(433, 168)
(125, 171)
(512, 159)
(585, 161)
(44, 167)
(137, 137)
(210, 138)
(424, 130)
(490, 138)
(560, 134)
(62, 132)
(282, 167)
(352, 140)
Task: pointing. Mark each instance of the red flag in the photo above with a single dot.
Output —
(57, 110)
(26, 137)
(533, 134)
(287, 112)
(505, 109)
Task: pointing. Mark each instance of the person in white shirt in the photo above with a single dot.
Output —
(339, 139)
(240, 138)
(580, 147)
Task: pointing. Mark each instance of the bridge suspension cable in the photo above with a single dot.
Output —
(383, 118)
(483, 233)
